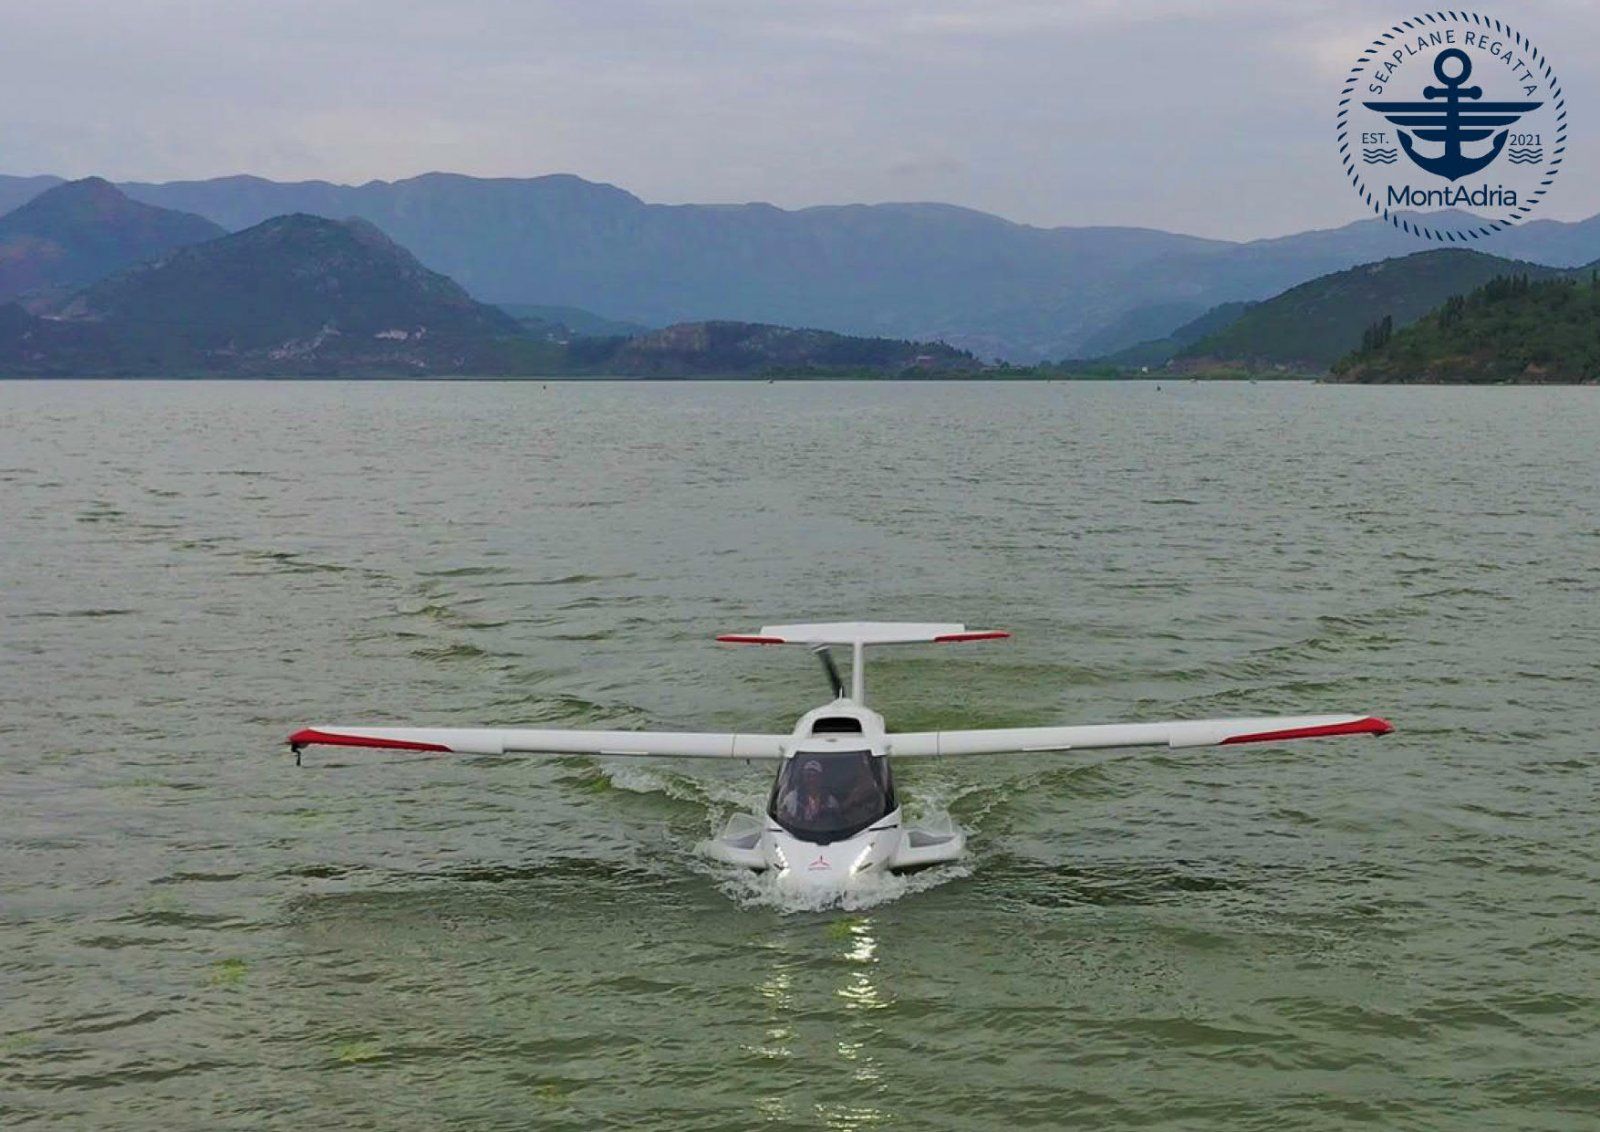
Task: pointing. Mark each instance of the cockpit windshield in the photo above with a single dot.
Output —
(824, 796)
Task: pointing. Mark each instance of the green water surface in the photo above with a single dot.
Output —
(1395, 934)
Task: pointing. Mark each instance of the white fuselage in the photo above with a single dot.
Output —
(838, 752)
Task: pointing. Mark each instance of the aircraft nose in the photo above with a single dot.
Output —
(836, 865)
(819, 866)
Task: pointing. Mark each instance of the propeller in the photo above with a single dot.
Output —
(834, 679)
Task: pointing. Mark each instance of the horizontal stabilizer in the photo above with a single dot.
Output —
(864, 633)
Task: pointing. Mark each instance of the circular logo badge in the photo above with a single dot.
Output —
(1452, 126)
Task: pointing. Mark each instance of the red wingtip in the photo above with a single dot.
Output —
(747, 639)
(310, 735)
(977, 635)
(1371, 725)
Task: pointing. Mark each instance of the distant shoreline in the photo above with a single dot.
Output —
(742, 379)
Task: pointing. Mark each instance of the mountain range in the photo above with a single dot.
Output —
(905, 271)
(295, 295)
(302, 295)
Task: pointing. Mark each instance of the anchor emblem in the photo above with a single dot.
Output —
(1451, 121)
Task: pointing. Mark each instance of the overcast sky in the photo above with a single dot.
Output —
(1212, 117)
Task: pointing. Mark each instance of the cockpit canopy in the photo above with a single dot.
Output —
(823, 796)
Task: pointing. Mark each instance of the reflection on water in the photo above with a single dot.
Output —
(846, 972)
(861, 993)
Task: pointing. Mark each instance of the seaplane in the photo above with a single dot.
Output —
(833, 815)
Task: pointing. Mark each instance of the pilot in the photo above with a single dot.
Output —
(808, 801)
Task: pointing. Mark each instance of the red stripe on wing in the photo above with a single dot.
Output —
(1371, 725)
(328, 738)
(747, 639)
(979, 635)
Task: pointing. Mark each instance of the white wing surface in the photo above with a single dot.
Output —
(522, 741)
(864, 633)
(1195, 733)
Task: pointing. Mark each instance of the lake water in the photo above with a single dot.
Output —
(1395, 933)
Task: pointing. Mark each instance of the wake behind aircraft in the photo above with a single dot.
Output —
(833, 814)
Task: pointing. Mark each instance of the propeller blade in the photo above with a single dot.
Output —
(835, 681)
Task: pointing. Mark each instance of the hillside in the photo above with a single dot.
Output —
(18, 191)
(1311, 326)
(1158, 351)
(560, 322)
(286, 278)
(78, 232)
(726, 348)
(294, 295)
(1514, 329)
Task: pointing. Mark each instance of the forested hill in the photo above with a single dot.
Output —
(1311, 326)
(1513, 329)
(725, 348)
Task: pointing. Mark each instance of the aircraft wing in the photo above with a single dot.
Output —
(522, 741)
(1195, 733)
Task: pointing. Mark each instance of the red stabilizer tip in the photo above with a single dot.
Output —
(1371, 725)
(329, 739)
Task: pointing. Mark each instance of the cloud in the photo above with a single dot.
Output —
(1212, 116)
(921, 168)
